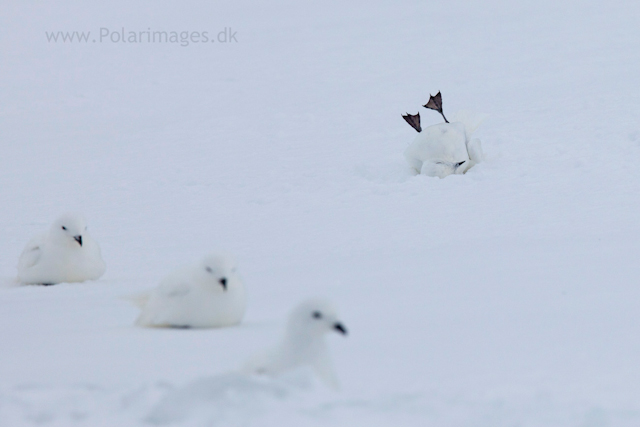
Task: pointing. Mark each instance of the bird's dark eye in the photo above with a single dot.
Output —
(317, 315)
(209, 270)
(64, 228)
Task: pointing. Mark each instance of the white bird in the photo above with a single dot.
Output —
(208, 294)
(446, 148)
(303, 344)
(66, 253)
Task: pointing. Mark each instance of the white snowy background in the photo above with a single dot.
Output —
(505, 297)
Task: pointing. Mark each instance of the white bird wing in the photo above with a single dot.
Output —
(160, 303)
(475, 150)
(175, 290)
(32, 252)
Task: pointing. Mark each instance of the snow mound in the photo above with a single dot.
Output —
(225, 400)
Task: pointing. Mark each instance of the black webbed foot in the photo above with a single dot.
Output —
(435, 103)
(414, 121)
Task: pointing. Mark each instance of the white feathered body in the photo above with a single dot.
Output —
(302, 345)
(46, 260)
(291, 354)
(439, 149)
(185, 299)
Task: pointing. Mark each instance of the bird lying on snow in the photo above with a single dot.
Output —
(66, 253)
(236, 398)
(207, 294)
(446, 148)
(303, 343)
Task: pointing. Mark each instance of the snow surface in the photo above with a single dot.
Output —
(507, 296)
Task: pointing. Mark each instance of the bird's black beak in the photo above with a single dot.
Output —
(223, 282)
(78, 239)
(340, 328)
